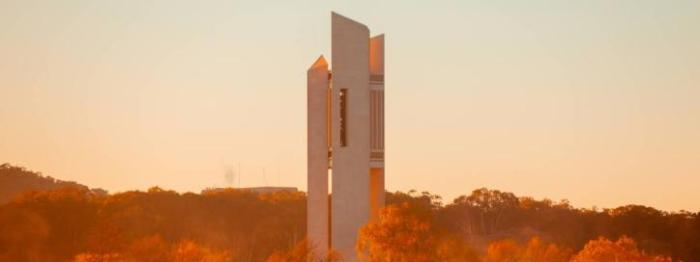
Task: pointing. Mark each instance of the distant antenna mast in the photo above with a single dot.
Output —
(265, 176)
(229, 176)
(278, 171)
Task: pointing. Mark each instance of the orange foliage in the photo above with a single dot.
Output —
(156, 249)
(24, 236)
(402, 233)
(16, 180)
(302, 252)
(63, 223)
(407, 232)
(158, 225)
(190, 251)
(624, 249)
(109, 257)
(533, 250)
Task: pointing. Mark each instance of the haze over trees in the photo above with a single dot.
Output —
(70, 222)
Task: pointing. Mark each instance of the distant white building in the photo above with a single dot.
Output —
(261, 190)
(269, 189)
(345, 137)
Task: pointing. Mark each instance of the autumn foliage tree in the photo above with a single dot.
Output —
(158, 225)
(302, 251)
(15, 180)
(624, 249)
(403, 233)
(56, 221)
(156, 249)
(407, 231)
(486, 216)
(534, 250)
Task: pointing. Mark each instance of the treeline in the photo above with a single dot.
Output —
(76, 223)
(15, 180)
(487, 215)
(490, 225)
(62, 224)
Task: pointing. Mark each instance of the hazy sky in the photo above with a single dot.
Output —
(594, 101)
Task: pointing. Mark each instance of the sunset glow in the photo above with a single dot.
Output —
(592, 101)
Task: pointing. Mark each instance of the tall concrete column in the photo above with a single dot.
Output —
(350, 64)
(317, 156)
(350, 137)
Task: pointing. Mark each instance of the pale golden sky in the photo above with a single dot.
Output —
(594, 101)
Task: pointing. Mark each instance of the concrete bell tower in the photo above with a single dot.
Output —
(345, 132)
